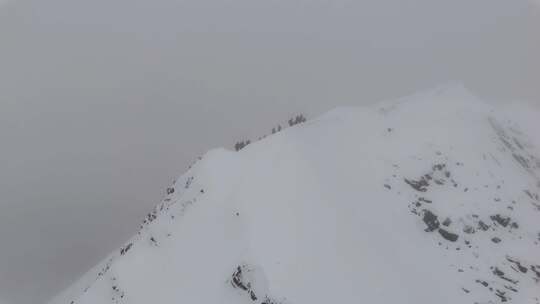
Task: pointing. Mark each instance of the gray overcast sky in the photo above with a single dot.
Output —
(104, 102)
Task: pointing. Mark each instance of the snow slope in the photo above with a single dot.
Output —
(432, 198)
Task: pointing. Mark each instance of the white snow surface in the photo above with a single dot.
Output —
(431, 198)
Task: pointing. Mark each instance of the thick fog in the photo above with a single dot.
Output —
(103, 103)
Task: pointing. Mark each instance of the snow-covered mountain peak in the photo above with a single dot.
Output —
(432, 198)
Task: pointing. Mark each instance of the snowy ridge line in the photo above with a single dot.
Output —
(431, 198)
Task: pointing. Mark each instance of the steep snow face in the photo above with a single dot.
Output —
(432, 198)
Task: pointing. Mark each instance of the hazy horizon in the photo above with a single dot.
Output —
(104, 103)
